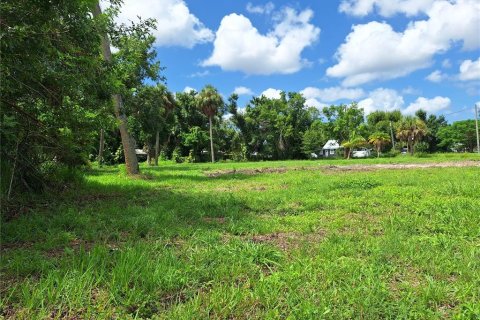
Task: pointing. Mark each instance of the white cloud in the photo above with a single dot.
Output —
(382, 99)
(240, 47)
(271, 93)
(176, 26)
(312, 102)
(429, 105)
(374, 51)
(386, 8)
(436, 76)
(470, 70)
(332, 94)
(199, 74)
(265, 9)
(243, 91)
(188, 89)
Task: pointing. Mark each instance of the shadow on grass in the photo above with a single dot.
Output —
(97, 212)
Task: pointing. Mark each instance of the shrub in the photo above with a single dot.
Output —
(421, 147)
(390, 154)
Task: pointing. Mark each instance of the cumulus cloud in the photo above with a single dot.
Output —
(265, 9)
(386, 8)
(187, 89)
(312, 102)
(382, 99)
(430, 105)
(239, 46)
(375, 51)
(470, 70)
(271, 93)
(176, 26)
(332, 94)
(436, 76)
(243, 91)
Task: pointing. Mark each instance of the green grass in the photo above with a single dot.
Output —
(301, 244)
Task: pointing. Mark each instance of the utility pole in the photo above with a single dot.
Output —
(476, 127)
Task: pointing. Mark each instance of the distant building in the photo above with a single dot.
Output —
(331, 148)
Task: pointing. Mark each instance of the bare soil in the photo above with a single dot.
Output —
(353, 167)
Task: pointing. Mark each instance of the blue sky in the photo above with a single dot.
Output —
(384, 54)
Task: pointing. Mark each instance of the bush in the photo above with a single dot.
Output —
(177, 156)
(421, 147)
(391, 154)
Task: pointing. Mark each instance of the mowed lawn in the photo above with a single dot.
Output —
(210, 241)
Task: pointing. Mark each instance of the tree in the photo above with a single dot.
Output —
(54, 90)
(196, 139)
(433, 124)
(411, 130)
(343, 120)
(379, 140)
(354, 142)
(273, 128)
(209, 101)
(314, 139)
(384, 121)
(150, 108)
(131, 161)
(459, 136)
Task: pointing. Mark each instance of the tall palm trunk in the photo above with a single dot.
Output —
(157, 147)
(410, 143)
(211, 139)
(100, 148)
(131, 161)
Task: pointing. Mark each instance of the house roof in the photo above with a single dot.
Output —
(331, 144)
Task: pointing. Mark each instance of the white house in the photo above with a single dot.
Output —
(331, 148)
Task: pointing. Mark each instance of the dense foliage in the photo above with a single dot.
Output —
(54, 88)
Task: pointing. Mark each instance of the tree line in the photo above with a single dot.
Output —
(67, 100)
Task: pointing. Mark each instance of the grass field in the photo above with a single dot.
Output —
(230, 241)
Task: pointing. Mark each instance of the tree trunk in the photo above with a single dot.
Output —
(131, 161)
(149, 158)
(211, 139)
(157, 147)
(379, 147)
(100, 147)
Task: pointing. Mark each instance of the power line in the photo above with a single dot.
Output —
(458, 111)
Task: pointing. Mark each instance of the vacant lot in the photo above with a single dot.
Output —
(296, 240)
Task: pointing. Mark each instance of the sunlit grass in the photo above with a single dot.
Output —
(304, 244)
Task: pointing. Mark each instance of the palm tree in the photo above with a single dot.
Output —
(379, 139)
(208, 100)
(354, 142)
(411, 130)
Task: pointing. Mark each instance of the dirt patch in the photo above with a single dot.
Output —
(286, 241)
(249, 187)
(363, 167)
(220, 220)
(354, 167)
(247, 171)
